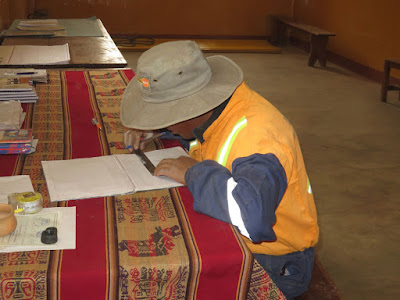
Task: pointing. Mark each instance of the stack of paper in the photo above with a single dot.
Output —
(34, 55)
(40, 25)
(15, 141)
(11, 115)
(19, 89)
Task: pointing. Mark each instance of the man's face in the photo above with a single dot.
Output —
(185, 129)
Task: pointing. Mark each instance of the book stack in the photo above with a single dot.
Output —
(20, 89)
(40, 25)
(36, 28)
(16, 141)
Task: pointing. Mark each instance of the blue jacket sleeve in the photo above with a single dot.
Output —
(260, 183)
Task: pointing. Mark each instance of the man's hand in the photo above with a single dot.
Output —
(175, 168)
(133, 138)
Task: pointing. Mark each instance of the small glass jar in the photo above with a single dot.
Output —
(29, 202)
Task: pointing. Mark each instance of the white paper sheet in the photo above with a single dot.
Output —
(85, 178)
(105, 175)
(138, 174)
(29, 229)
(66, 232)
(14, 184)
(11, 115)
(39, 55)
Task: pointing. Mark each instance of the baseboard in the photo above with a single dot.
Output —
(189, 36)
(235, 45)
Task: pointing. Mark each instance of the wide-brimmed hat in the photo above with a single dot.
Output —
(174, 83)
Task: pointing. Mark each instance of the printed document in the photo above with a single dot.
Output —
(27, 234)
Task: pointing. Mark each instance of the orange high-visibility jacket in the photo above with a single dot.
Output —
(252, 175)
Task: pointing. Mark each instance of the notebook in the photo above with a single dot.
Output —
(104, 176)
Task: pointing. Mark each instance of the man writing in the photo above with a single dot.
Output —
(245, 166)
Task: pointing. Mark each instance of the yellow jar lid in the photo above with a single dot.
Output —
(28, 197)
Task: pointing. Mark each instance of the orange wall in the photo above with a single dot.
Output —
(173, 17)
(367, 32)
(4, 14)
(14, 9)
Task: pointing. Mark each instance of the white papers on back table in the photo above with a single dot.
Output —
(34, 55)
(106, 175)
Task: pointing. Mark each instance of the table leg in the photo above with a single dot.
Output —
(386, 79)
(318, 50)
(275, 34)
(279, 33)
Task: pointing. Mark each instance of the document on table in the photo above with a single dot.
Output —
(106, 175)
(34, 55)
(27, 234)
(5, 54)
(29, 229)
(14, 184)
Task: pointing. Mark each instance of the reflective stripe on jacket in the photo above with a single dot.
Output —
(252, 175)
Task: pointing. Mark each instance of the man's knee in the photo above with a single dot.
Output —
(290, 272)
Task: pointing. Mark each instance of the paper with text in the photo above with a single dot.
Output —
(31, 226)
(29, 229)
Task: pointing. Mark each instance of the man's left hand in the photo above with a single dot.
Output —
(175, 168)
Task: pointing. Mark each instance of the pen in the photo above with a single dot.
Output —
(94, 122)
(150, 138)
(25, 73)
(20, 73)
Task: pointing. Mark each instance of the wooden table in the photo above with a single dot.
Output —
(386, 86)
(147, 245)
(85, 51)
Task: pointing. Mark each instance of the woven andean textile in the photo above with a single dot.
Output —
(148, 245)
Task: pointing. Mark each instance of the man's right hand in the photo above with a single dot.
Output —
(133, 138)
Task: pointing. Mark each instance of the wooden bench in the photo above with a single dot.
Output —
(318, 37)
(386, 86)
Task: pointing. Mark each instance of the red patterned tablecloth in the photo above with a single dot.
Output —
(148, 245)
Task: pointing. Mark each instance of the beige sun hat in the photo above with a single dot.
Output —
(174, 83)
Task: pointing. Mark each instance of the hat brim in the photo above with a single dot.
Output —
(139, 114)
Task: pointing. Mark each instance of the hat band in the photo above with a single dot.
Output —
(178, 91)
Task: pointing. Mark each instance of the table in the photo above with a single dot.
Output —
(86, 51)
(386, 86)
(318, 37)
(148, 245)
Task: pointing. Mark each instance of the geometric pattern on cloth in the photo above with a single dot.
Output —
(147, 245)
(262, 286)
